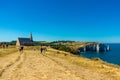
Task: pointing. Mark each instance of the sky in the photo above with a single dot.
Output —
(50, 20)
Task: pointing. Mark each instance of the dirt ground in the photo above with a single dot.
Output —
(32, 65)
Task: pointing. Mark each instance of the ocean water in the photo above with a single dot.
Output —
(113, 56)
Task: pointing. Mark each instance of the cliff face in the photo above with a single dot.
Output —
(76, 47)
(94, 47)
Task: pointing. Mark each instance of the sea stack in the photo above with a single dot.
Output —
(85, 49)
(97, 48)
(108, 48)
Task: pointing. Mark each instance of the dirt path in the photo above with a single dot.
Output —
(7, 61)
(31, 65)
(84, 73)
(34, 66)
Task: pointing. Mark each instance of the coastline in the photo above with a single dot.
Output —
(98, 67)
(55, 65)
(92, 59)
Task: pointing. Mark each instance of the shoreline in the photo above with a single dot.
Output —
(98, 59)
(97, 67)
(57, 63)
(91, 59)
(98, 56)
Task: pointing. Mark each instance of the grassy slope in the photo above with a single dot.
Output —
(9, 50)
(94, 65)
(98, 66)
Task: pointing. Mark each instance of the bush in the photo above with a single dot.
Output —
(64, 48)
(96, 59)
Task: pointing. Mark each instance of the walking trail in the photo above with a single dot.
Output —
(31, 65)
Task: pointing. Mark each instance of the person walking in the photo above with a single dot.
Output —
(41, 50)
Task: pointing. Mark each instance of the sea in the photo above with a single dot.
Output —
(113, 56)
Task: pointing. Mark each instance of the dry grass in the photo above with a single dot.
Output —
(13, 49)
(9, 50)
(95, 65)
(75, 45)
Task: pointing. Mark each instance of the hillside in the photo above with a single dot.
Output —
(53, 65)
(70, 46)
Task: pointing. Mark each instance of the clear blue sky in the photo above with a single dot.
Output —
(49, 20)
